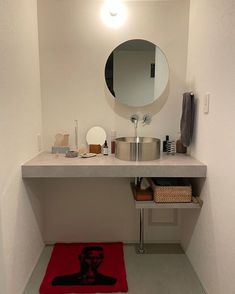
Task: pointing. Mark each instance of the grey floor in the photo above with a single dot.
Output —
(164, 269)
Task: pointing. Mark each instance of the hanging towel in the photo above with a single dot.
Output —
(187, 119)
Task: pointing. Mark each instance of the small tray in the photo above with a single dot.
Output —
(142, 194)
(87, 155)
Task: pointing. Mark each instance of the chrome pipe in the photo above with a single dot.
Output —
(141, 249)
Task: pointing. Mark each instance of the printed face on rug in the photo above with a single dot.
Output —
(90, 259)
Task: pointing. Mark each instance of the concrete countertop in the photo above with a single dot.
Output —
(47, 165)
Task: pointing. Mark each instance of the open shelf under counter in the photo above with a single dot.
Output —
(143, 205)
(154, 205)
(47, 165)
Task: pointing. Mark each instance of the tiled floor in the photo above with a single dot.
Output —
(164, 269)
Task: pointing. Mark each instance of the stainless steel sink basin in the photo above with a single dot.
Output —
(137, 148)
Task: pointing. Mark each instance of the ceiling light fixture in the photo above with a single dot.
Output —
(113, 13)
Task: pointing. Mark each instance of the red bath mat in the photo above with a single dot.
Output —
(85, 268)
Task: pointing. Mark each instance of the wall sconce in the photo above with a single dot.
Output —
(113, 13)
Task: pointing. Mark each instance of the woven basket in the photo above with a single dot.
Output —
(172, 193)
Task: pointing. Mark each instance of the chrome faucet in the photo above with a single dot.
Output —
(135, 119)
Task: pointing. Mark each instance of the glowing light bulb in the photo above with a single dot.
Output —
(113, 13)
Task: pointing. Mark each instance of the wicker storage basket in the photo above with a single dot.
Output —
(171, 189)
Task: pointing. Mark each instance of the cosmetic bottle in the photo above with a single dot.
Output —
(113, 143)
(105, 148)
(165, 144)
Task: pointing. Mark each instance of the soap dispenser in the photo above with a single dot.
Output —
(165, 144)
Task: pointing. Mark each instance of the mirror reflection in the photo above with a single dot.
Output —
(136, 72)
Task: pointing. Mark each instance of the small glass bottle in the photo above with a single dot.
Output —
(105, 148)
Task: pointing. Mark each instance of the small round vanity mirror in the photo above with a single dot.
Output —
(136, 72)
(96, 135)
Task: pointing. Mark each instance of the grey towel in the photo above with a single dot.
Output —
(187, 119)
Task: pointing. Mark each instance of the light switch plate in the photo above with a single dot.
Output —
(206, 103)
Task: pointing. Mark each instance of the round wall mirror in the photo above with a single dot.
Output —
(136, 72)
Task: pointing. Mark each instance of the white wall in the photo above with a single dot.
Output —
(74, 46)
(209, 236)
(20, 121)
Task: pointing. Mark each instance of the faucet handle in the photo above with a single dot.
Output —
(147, 118)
